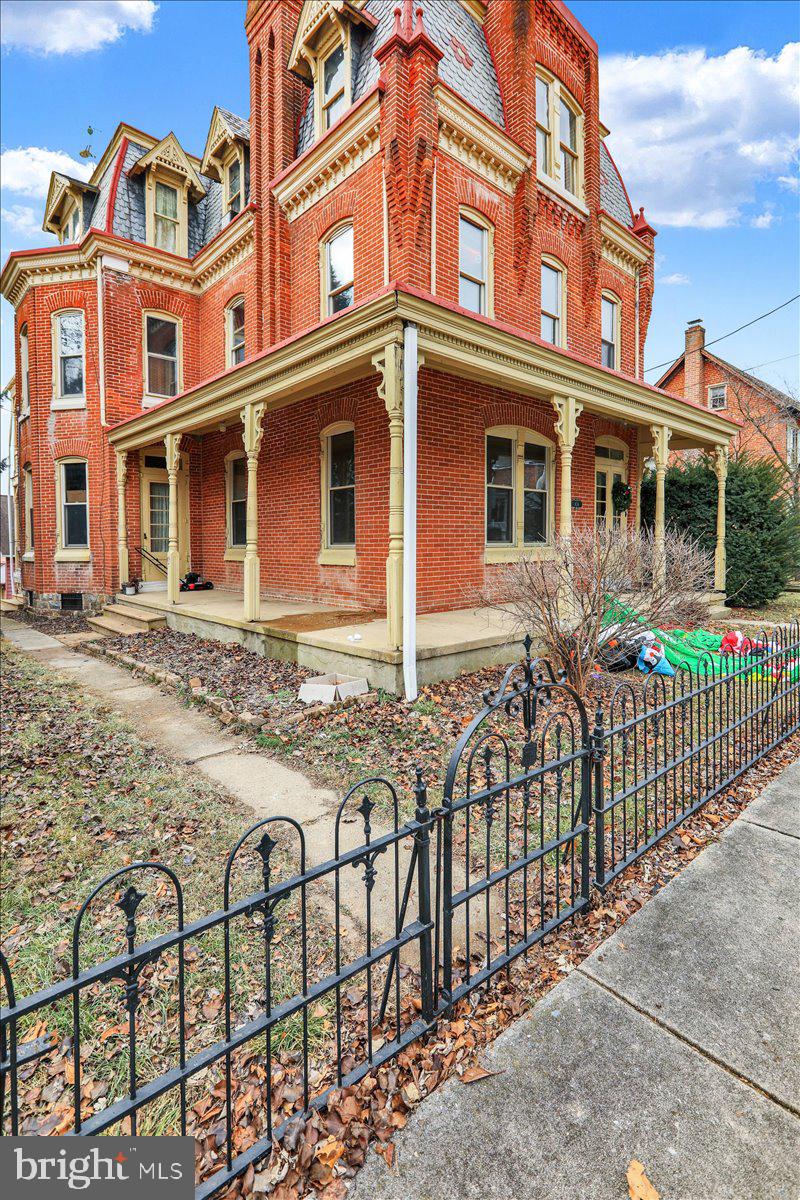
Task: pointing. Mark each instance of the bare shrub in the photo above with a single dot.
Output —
(561, 597)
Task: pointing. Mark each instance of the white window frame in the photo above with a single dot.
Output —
(179, 185)
(713, 387)
(793, 445)
(472, 217)
(28, 524)
(236, 155)
(63, 552)
(149, 397)
(609, 465)
(519, 436)
(555, 264)
(612, 298)
(234, 551)
(550, 173)
(325, 246)
(25, 373)
(333, 555)
(59, 400)
(230, 348)
(73, 211)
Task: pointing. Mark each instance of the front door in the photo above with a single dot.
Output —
(610, 467)
(155, 515)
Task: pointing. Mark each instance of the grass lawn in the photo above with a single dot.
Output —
(777, 612)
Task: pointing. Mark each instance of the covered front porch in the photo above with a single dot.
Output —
(456, 427)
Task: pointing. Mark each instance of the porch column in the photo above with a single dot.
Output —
(568, 409)
(252, 418)
(172, 443)
(721, 472)
(661, 435)
(389, 363)
(122, 528)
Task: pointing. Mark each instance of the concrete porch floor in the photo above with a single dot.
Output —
(325, 638)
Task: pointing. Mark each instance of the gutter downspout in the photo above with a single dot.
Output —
(410, 395)
(636, 325)
(101, 344)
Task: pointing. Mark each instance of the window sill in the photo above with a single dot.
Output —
(234, 554)
(24, 416)
(67, 403)
(152, 401)
(559, 190)
(82, 554)
(337, 556)
(510, 554)
(28, 556)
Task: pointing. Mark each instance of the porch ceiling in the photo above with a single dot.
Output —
(342, 350)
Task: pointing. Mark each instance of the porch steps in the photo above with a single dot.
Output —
(120, 617)
(11, 604)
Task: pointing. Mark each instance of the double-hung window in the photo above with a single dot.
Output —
(234, 186)
(568, 143)
(339, 270)
(474, 253)
(718, 395)
(793, 445)
(235, 332)
(27, 489)
(69, 347)
(25, 376)
(238, 501)
(518, 471)
(543, 125)
(552, 322)
(334, 101)
(559, 136)
(74, 504)
(161, 352)
(341, 457)
(609, 322)
(166, 221)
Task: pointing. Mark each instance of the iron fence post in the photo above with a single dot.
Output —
(598, 754)
(422, 837)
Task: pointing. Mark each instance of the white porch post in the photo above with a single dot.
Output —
(720, 561)
(390, 365)
(661, 435)
(172, 443)
(252, 419)
(411, 362)
(122, 528)
(568, 409)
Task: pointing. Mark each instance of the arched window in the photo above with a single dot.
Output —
(519, 492)
(234, 332)
(554, 301)
(610, 330)
(475, 262)
(69, 367)
(24, 370)
(72, 510)
(559, 137)
(338, 270)
(338, 479)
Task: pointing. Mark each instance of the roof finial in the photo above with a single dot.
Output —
(419, 28)
(408, 17)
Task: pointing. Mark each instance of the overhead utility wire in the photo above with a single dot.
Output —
(747, 325)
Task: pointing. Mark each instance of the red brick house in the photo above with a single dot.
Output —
(769, 418)
(371, 344)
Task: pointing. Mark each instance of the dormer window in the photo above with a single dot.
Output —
(71, 229)
(225, 158)
(233, 183)
(559, 137)
(166, 223)
(64, 208)
(333, 85)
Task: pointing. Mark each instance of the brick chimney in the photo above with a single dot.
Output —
(693, 361)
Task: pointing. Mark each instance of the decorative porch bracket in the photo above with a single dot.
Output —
(568, 410)
(720, 560)
(122, 528)
(661, 435)
(389, 364)
(172, 444)
(252, 417)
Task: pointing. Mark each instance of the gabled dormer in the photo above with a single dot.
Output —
(227, 159)
(68, 207)
(323, 54)
(171, 181)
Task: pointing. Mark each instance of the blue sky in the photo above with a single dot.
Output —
(701, 99)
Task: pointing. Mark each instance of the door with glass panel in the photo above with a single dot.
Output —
(611, 466)
(155, 515)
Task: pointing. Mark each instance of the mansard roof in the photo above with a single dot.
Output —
(613, 193)
(466, 64)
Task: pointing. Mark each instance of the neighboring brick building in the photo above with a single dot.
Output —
(419, 224)
(770, 419)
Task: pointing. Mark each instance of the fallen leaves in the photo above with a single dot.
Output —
(639, 1186)
(476, 1072)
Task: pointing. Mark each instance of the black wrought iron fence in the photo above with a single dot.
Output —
(312, 975)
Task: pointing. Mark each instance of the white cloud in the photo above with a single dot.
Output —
(763, 220)
(72, 26)
(27, 169)
(676, 279)
(23, 221)
(693, 133)
(790, 182)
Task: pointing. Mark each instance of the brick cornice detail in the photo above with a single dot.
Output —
(477, 143)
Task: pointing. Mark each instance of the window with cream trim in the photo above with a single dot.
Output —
(69, 359)
(609, 330)
(72, 485)
(338, 479)
(233, 186)
(338, 270)
(475, 262)
(24, 368)
(559, 136)
(334, 84)
(236, 479)
(519, 491)
(162, 337)
(554, 302)
(234, 331)
(27, 493)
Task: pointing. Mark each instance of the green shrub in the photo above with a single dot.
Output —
(762, 531)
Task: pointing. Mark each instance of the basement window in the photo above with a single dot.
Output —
(72, 601)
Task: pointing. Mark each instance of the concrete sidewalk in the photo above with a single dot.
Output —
(676, 1043)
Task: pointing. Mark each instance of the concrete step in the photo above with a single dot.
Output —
(140, 615)
(114, 625)
(10, 604)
